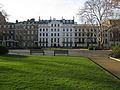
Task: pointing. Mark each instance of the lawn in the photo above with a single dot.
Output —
(53, 73)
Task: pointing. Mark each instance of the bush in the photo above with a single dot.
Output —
(91, 48)
(3, 50)
(116, 51)
(94, 48)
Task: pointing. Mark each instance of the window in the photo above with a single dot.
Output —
(67, 34)
(11, 32)
(43, 30)
(95, 30)
(58, 40)
(32, 37)
(54, 34)
(28, 37)
(67, 30)
(105, 35)
(91, 34)
(82, 39)
(75, 34)
(91, 30)
(55, 30)
(58, 34)
(4, 26)
(43, 34)
(51, 34)
(32, 32)
(28, 32)
(46, 34)
(54, 39)
(83, 34)
(106, 41)
(43, 40)
(67, 40)
(58, 25)
(83, 30)
(51, 25)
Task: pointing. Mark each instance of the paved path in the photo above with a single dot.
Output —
(101, 58)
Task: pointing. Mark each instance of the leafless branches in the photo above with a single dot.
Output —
(98, 11)
(4, 14)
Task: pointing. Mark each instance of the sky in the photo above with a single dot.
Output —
(26, 9)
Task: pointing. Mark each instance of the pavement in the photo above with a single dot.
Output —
(99, 57)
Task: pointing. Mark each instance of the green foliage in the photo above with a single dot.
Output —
(116, 51)
(3, 50)
(53, 73)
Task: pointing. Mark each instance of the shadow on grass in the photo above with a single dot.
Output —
(15, 56)
(78, 76)
(11, 70)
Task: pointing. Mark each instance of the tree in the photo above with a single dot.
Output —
(3, 15)
(95, 12)
(3, 18)
(116, 3)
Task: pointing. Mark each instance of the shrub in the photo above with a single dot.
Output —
(116, 51)
(94, 48)
(91, 48)
(3, 50)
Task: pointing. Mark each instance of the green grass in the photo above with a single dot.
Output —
(53, 73)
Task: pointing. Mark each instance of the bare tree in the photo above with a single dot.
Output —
(3, 18)
(3, 15)
(116, 3)
(95, 12)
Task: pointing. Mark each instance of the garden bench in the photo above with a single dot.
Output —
(60, 52)
(37, 51)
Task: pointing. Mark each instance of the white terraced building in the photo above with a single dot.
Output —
(56, 33)
(67, 33)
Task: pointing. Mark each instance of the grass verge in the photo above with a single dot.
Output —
(53, 73)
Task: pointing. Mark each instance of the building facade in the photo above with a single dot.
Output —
(56, 33)
(67, 33)
(26, 34)
(7, 33)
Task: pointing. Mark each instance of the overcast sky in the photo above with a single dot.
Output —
(27, 9)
